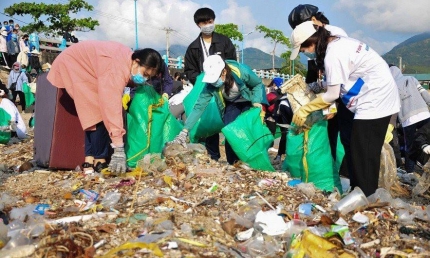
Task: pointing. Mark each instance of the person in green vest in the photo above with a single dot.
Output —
(236, 89)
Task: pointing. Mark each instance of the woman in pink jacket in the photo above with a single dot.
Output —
(94, 74)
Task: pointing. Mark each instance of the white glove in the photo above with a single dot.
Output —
(118, 163)
(181, 138)
(427, 149)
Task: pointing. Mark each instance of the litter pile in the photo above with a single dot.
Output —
(186, 205)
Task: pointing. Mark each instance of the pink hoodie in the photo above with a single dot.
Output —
(94, 74)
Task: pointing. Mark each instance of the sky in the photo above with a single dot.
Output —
(382, 24)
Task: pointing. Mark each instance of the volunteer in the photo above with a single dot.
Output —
(362, 79)
(308, 12)
(94, 74)
(17, 125)
(236, 89)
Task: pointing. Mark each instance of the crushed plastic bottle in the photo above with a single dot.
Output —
(110, 199)
(423, 184)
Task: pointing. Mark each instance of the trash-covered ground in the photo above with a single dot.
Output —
(189, 206)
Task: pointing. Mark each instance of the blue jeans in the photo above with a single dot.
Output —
(97, 142)
(409, 134)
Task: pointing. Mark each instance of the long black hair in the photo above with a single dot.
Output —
(229, 80)
(149, 58)
(321, 39)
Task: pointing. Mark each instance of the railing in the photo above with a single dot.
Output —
(270, 75)
(177, 63)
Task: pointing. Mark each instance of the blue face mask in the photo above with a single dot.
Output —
(23, 70)
(310, 55)
(138, 78)
(218, 83)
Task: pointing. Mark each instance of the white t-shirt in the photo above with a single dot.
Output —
(11, 109)
(367, 86)
(416, 118)
(205, 48)
(335, 31)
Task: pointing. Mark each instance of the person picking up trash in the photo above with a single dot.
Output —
(94, 74)
(16, 124)
(362, 79)
(236, 89)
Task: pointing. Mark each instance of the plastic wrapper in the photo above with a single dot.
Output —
(299, 93)
(110, 199)
(261, 246)
(388, 168)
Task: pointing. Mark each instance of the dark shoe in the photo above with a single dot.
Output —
(100, 166)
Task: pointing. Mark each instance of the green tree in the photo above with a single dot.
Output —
(229, 30)
(276, 37)
(286, 68)
(58, 20)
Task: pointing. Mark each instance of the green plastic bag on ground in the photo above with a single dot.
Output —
(150, 125)
(4, 121)
(317, 165)
(210, 122)
(250, 139)
(29, 96)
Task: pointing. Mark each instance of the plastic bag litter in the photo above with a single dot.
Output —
(388, 168)
(299, 93)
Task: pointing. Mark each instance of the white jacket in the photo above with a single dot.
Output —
(3, 44)
(23, 57)
(11, 109)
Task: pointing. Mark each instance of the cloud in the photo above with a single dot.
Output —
(116, 18)
(402, 16)
(381, 47)
(117, 22)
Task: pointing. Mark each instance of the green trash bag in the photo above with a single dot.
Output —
(4, 121)
(211, 121)
(317, 166)
(29, 96)
(150, 125)
(250, 139)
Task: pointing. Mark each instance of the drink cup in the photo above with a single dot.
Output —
(355, 199)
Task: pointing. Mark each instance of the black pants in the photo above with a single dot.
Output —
(367, 139)
(12, 58)
(345, 120)
(21, 98)
(97, 143)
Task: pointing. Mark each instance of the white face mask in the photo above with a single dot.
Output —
(207, 29)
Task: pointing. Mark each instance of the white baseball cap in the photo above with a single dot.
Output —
(300, 34)
(212, 66)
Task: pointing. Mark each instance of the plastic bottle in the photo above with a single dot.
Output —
(423, 184)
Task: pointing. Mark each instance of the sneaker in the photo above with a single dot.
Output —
(100, 166)
(277, 159)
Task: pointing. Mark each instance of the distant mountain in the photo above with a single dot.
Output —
(253, 57)
(415, 53)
